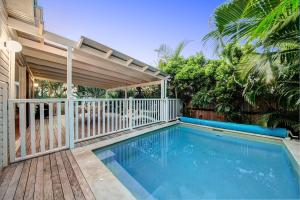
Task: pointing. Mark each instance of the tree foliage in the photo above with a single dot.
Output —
(270, 72)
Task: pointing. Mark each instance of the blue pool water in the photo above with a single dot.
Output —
(185, 162)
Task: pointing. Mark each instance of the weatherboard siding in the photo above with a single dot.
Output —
(4, 78)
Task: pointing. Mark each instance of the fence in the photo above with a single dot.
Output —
(48, 125)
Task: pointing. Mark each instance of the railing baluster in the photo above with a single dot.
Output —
(67, 124)
(22, 107)
(108, 116)
(59, 129)
(123, 116)
(130, 113)
(50, 127)
(76, 121)
(94, 113)
(32, 127)
(99, 117)
(42, 128)
(82, 120)
(103, 116)
(88, 119)
(120, 115)
(157, 110)
(112, 115)
(139, 112)
(116, 115)
(71, 124)
(127, 113)
(133, 113)
(145, 111)
(152, 111)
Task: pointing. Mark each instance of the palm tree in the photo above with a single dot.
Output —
(166, 53)
(272, 27)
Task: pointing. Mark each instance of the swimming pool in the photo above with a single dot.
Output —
(186, 162)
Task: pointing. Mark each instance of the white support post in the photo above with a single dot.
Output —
(125, 91)
(12, 95)
(163, 102)
(69, 73)
(12, 69)
(162, 89)
(130, 112)
(69, 96)
(167, 110)
(165, 88)
(106, 94)
(22, 82)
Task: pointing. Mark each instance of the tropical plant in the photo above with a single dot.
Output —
(88, 92)
(270, 72)
(49, 89)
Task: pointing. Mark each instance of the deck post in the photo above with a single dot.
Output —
(12, 95)
(162, 89)
(69, 72)
(125, 91)
(167, 110)
(70, 96)
(22, 82)
(163, 101)
(165, 88)
(130, 112)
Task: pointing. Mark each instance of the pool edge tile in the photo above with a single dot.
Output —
(294, 148)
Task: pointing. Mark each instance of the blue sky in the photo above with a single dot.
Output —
(134, 27)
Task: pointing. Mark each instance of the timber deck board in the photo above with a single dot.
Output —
(52, 176)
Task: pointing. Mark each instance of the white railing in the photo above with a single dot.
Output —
(145, 112)
(99, 117)
(41, 127)
(46, 125)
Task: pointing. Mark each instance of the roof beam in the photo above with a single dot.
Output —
(79, 55)
(136, 85)
(56, 62)
(108, 54)
(129, 62)
(48, 64)
(59, 39)
(76, 81)
(36, 67)
(145, 68)
(157, 73)
(23, 27)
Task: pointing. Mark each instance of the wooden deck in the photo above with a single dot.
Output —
(53, 176)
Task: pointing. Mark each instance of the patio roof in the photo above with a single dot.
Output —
(93, 64)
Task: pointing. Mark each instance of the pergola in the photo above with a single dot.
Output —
(86, 62)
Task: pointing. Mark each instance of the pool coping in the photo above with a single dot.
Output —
(105, 185)
(101, 180)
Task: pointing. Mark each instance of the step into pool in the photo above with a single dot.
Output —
(187, 162)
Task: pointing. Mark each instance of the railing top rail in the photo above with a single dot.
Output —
(36, 100)
(84, 99)
(118, 99)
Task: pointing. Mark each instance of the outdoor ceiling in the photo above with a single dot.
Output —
(94, 64)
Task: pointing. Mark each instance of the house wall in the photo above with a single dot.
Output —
(4, 79)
